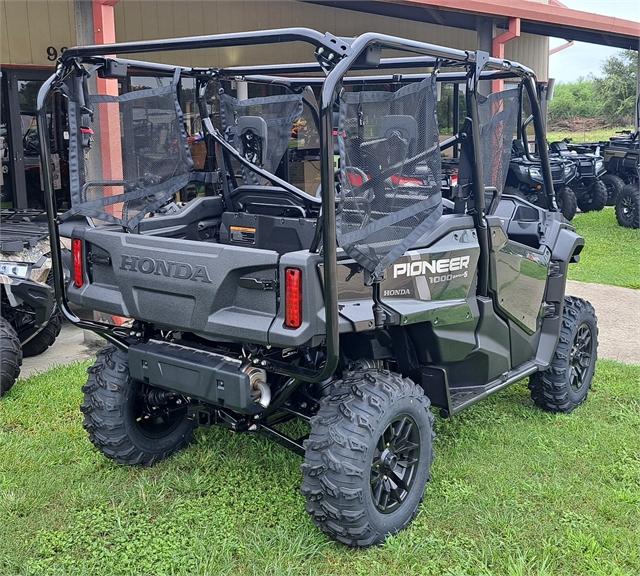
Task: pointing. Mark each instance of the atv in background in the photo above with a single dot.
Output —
(590, 190)
(30, 321)
(354, 311)
(622, 161)
(525, 179)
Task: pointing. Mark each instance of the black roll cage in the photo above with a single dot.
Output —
(336, 57)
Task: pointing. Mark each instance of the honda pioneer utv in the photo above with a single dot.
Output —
(355, 306)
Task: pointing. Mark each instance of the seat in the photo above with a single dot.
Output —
(273, 201)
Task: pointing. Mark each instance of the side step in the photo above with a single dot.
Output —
(464, 396)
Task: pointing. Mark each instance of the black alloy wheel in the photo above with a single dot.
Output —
(581, 357)
(156, 412)
(628, 206)
(393, 471)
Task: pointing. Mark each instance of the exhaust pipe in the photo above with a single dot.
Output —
(264, 393)
(260, 391)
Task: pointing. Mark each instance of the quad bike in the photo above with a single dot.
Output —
(590, 190)
(30, 321)
(622, 162)
(357, 311)
(621, 159)
(526, 179)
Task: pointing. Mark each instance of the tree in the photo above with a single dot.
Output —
(575, 99)
(616, 90)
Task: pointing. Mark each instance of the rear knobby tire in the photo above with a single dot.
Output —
(120, 416)
(45, 338)
(593, 199)
(567, 203)
(614, 185)
(628, 206)
(368, 457)
(565, 384)
(10, 356)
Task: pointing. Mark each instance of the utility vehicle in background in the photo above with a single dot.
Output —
(526, 179)
(30, 322)
(622, 162)
(590, 190)
(356, 310)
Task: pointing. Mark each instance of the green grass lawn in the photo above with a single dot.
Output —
(611, 254)
(578, 136)
(515, 491)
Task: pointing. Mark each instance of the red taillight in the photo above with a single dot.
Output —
(78, 276)
(292, 298)
(403, 181)
(355, 179)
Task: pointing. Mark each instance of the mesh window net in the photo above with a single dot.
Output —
(131, 157)
(498, 114)
(390, 172)
(260, 129)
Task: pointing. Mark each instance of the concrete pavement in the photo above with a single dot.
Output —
(618, 312)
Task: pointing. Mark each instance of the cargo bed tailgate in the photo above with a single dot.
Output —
(177, 284)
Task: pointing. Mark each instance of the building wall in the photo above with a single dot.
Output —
(33, 32)
(174, 18)
(29, 27)
(532, 51)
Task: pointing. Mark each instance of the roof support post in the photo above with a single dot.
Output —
(104, 30)
(637, 120)
(497, 50)
(484, 29)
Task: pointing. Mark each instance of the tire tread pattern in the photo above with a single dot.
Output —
(595, 198)
(614, 185)
(106, 393)
(45, 338)
(550, 389)
(337, 449)
(630, 193)
(567, 197)
(11, 354)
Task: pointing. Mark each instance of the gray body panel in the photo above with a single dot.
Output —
(519, 275)
(180, 284)
(195, 286)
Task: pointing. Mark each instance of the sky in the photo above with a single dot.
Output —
(581, 58)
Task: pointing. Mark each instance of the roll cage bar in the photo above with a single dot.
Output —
(336, 57)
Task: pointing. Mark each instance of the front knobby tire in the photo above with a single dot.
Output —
(45, 338)
(565, 384)
(567, 202)
(614, 185)
(10, 356)
(129, 421)
(628, 206)
(593, 199)
(368, 457)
